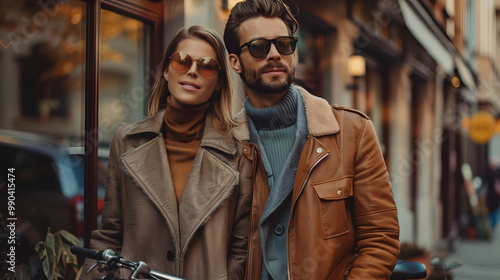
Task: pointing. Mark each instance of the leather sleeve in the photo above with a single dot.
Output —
(374, 209)
(237, 256)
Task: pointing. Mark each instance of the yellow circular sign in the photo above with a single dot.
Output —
(481, 127)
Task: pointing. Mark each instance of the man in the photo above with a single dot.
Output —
(322, 202)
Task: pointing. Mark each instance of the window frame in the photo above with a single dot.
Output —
(149, 12)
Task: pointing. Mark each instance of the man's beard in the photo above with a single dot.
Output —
(254, 81)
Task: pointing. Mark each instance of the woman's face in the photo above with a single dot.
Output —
(189, 87)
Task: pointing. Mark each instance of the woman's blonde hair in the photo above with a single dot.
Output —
(220, 101)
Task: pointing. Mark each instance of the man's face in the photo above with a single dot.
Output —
(272, 74)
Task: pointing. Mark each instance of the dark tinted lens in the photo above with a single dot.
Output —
(286, 45)
(181, 62)
(259, 48)
(208, 67)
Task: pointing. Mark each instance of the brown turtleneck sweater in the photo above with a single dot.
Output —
(183, 124)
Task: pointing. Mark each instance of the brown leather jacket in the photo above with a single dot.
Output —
(343, 221)
(206, 236)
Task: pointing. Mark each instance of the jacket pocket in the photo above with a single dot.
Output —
(333, 206)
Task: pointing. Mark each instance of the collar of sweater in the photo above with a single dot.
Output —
(183, 123)
(281, 115)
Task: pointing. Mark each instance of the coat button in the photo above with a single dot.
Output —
(279, 229)
(319, 150)
(340, 192)
(170, 256)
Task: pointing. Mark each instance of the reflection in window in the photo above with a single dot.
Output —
(42, 75)
(376, 104)
(306, 46)
(122, 75)
(306, 72)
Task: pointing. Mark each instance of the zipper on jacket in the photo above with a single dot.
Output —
(293, 205)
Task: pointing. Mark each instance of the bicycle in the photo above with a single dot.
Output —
(403, 270)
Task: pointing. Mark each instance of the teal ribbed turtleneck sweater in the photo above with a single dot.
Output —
(276, 126)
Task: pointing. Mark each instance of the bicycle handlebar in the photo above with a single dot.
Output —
(115, 262)
(104, 255)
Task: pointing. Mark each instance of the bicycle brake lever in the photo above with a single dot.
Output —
(141, 270)
(92, 267)
(101, 268)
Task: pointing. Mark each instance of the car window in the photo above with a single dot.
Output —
(78, 169)
(33, 171)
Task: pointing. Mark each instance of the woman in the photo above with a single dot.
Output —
(178, 193)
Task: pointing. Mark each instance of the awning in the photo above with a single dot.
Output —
(427, 38)
(435, 42)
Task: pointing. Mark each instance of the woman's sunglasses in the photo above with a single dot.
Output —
(182, 62)
(259, 48)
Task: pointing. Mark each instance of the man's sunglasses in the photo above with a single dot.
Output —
(259, 48)
(182, 62)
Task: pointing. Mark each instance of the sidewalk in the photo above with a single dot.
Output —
(480, 259)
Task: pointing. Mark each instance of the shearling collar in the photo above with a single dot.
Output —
(320, 119)
(211, 136)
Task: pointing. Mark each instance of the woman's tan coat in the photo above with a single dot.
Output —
(206, 236)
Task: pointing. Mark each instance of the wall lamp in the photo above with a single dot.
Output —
(456, 82)
(356, 67)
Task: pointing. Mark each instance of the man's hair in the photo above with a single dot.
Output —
(253, 8)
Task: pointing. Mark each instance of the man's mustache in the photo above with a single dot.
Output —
(273, 65)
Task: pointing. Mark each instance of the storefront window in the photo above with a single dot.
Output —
(306, 47)
(123, 78)
(42, 102)
(306, 72)
(42, 69)
(376, 99)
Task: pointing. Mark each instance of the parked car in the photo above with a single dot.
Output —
(48, 184)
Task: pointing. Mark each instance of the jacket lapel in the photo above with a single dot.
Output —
(209, 183)
(148, 167)
(315, 151)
